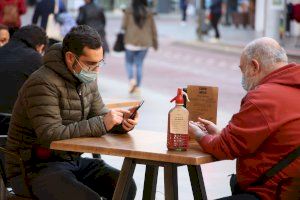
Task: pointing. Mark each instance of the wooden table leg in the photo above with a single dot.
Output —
(197, 182)
(124, 179)
(150, 182)
(171, 184)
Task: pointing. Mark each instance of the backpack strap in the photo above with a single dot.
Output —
(277, 167)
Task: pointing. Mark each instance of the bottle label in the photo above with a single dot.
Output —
(179, 122)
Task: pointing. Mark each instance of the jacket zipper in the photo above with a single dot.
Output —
(82, 104)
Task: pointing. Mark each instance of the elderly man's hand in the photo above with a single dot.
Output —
(209, 126)
(196, 130)
(114, 117)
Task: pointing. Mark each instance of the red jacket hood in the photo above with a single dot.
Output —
(288, 75)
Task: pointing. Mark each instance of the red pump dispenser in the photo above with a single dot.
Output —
(178, 138)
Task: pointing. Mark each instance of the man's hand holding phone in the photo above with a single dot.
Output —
(114, 117)
(128, 122)
(131, 120)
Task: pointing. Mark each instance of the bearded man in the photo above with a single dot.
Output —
(266, 129)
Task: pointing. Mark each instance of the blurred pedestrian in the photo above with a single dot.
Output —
(140, 34)
(18, 59)
(231, 7)
(183, 7)
(4, 35)
(92, 15)
(67, 23)
(10, 13)
(216, 14)
(44, 8)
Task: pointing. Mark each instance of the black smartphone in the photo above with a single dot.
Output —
(118, 129)
(132, 116)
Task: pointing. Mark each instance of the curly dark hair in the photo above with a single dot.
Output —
(32, 35)
(79, 37)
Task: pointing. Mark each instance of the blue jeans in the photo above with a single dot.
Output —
(135, 58)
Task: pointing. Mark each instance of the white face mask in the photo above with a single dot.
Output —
(86, 76)
(247, 83)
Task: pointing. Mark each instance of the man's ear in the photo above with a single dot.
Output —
(69, 58)
(40, 48)
(255, 68)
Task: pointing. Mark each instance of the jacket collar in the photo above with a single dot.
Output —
(54, 60)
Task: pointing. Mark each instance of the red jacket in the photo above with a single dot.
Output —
(21, 7)
(265, 130)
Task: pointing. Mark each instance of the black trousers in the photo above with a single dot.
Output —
(215, 18)
(237, 194)
(82, 179)
(183, 13)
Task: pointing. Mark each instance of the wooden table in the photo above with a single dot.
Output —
(149, 148)
(117, 103)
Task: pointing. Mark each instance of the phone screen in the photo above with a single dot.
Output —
(135, 110)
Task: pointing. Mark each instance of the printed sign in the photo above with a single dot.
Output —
(203, 102)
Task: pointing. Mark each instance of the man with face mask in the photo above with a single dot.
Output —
(265, 130)
(61, 101)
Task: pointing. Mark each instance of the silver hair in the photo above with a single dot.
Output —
(266, 51)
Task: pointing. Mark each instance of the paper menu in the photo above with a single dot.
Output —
(203, 102)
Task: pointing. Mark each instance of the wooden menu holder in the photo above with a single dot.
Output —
(203, 102)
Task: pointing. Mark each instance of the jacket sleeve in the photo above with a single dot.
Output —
(43, 110)
(97, 107)
(244, 134)
(154, 33)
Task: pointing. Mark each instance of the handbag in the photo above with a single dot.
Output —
(119, 44)
(53, 27)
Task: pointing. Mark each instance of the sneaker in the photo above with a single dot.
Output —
(214, 40)
(132, 85)
(137, 92)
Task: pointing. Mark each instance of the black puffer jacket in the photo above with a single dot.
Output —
(52, 105)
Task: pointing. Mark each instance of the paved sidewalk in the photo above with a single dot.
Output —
(232, 39)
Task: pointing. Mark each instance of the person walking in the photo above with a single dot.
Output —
(140, 34)
(231, 7)
(10, 14)
(216, 14)
(183, 7)
(92, 15)
(44, 8)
